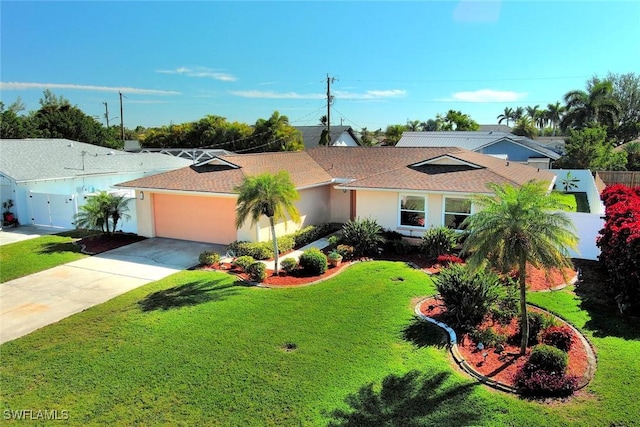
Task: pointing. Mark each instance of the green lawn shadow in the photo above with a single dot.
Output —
(410, 400)
(424, 334)
(605, 320)
(52, 248)
(189, 294)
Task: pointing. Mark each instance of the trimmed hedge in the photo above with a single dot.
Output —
(313, 262)
(243, 262)
(289, 265)
(257, 271)
(209, 258)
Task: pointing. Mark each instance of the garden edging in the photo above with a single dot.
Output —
(462, 363)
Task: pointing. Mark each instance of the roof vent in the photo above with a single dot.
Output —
(70, 144)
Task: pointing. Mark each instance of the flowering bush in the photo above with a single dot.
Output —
(448, 259)
(619, 242)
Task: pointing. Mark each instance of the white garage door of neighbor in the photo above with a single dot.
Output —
(52, 210)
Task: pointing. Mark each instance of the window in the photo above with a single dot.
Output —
(412, 211)
(455, 211)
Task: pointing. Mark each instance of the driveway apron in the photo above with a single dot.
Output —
(31, 302)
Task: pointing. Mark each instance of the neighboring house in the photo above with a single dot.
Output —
(341, 136)
(498, 144)
(405, 189)
(49, 179)
(494, 128)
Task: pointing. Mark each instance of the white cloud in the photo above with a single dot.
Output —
(370, 94)
(201, 72)
(267, 94)
(123, 89)
(486, 95)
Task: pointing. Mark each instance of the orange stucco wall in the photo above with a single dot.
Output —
(201, 219)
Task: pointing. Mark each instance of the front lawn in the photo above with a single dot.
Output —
(31, 256)
(199, 348)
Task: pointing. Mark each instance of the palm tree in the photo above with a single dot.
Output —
(506, 115)
(595, 106)
(517, 226)
(269, 195)
(532, 112)
(555, 112)
(101, 211)
(525, 127)
(541, 120)
(518, 113)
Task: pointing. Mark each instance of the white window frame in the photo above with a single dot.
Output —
(423, 212)
(445, 212)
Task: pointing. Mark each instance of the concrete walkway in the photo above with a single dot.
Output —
(318, 244)
(25, 232)
(31, 302)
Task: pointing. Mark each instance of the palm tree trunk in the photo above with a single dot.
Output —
(524, 319)
(275, 245)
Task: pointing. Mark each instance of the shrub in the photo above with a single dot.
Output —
(507, 307)
(619, 242)
(560, 337)
(544, 373)
(438, 241)
(209, 258)
(257, 271)
(467, 295)
(365, 235)
(537, 322)
(257, 250)
(243, 262)
(447, 259)
(313, 262)
(488, 337)
(288, 265)
(545, 384)
(547, 358)
(400, 247)
(306, 235)
(346, 251)
(285, 243)
(333, 240)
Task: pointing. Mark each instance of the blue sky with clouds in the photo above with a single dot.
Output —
(179, 61)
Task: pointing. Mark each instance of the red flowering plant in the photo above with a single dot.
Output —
(619, 243)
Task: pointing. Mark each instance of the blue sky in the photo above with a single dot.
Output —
(393, 61)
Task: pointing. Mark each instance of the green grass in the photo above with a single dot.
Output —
(198, 348)
(573, 202)
(31, 256)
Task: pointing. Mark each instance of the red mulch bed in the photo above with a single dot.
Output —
(504, 368)
(102, 242)
(296, 278)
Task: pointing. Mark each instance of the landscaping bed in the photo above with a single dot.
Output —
(93, 245)
(503, 365)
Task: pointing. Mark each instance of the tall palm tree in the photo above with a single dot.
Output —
(595, 106)
(555, 112)
(506, 116)
(268, 195)
(541, 120)
(518, 113)
(532, 112)
(517, 226)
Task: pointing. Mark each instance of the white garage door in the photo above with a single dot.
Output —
(52, 210)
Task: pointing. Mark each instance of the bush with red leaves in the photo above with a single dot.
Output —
(448, 259)
(545, 384)
(558, 336)
(619, 243)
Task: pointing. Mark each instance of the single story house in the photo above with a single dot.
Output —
(341, 136)
(498, 144)
(49, 179)
(406, 189)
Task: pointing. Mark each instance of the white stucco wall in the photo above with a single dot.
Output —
(144, 213)
(586, 183)
(340, 205)
(588, 227)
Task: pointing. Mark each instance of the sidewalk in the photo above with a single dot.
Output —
(25, 232)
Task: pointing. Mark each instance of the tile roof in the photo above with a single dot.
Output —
(38, 159)
(357, 167)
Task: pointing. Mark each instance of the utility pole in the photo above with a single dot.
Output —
(329, 99)
(121, 118)
(106, 113)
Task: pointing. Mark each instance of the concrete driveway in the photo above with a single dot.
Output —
(34, 301)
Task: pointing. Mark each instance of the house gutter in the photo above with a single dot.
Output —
(180, 192)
